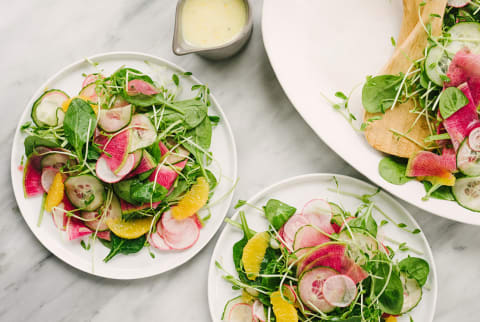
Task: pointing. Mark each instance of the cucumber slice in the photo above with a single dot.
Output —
(468, 161)
(57, 160)
(115, 119)
(436, 65)
(412, 293)
(94, 221)
(467, 193)
(360, 242)
(143, 132)
(85, 192)
(47, 109)
(464, 34)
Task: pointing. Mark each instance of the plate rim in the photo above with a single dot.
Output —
(20, 198)
(377, 180)
(264, 191)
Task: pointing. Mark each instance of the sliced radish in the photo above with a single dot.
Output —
(458, 3)
(198, 221)
(94, 221)
(128, 208)
(156, 239)
(107, 175)
(48, 174)
(165, 175)
(138, 158)
(339, 290)
(474, 139)
(241, 312)
(308, 236)
(139, 86)
(91, 78)
(89, 92)
(115, 119)
(310, 288)
(258, 311)
(117, 149)
(292, 226)
(179, 234)
(76, 229)
(32, 178)
(143, 132)
(59, 216)
(173, 157)
(119, 102)
(104, 235)
(146, 164)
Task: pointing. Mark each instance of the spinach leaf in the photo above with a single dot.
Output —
(379, 92)
(365, 221)
(122, 189)
(180, 188)
(442, 192)
(78, 119)
(352, 319)
(278, 212)
(451, 100)
(31, 142)
(416, 268)
(393, 171)
(201, 135)
(119, 78)
(194, 112)
(391, 299)
(143, 192)
(124, 246)
(144, 175)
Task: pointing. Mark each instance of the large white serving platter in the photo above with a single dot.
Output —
(297, 191)
(320, 47)
(141, 264)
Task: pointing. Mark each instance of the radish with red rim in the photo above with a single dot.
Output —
(114, 119)
(117, 150)
(107, 175)
(179, 234)
(259, 311)
(458, 3)
(48, 174)
(94, 220)
(339, 290)
(310, 286)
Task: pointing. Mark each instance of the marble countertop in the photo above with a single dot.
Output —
(40, 37)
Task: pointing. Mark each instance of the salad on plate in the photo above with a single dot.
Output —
(322, 263)
(422, 109)
(123, 162)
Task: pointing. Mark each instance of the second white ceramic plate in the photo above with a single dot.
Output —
(296, 192)
(140, 264)
(321, 47)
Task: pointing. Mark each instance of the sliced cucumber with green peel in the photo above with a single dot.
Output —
(115, 119)
(47, 109)
(412, 293)
(467, 193)
(85, 192)
(468, 161)
(464, 34)
(360, 242)
(143, 132)
(436, 65)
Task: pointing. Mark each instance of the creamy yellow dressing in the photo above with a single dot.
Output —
(208, 23)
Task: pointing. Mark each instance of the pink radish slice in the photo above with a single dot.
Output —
(115, 119)
(128, 208)
(48, 174)
(353, 270)
(458, 3)
(474, 139)
(156, 239)
(76, 229)
(104, 235)
(318, 206)
(292, 226)
(138, 86)
(163, 148)
(241, 312)
(90, 79)
(59, 217)
(116, 150)
(198, 222)
(94, 221)
(179, 234)
(176, 156)
(146, 164)
(89, 92)
(308, 236)
(258, 311)
(339, 290)
(119, 102)
(310, 288)
(105, 173)
(165, 175)
(329, 254)
(292, 291)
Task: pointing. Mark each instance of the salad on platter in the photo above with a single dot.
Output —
(123, 161)
(322, 263)
(422, 109)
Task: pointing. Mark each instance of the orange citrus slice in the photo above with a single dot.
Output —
(253, 254)
(129, 229)
(55, 193)
(192, 201)
(284, 311)
(66, 104)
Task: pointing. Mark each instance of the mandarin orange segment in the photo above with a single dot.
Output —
(253, 254)
(66, 104)
(129, 229)
(284, 311)
(55, 193)
(391, 319)
(192, 201)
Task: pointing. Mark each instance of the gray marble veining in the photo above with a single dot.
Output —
(39, 37)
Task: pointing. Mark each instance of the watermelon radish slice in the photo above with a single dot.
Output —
(59, 216)
(100, 139)
(91, 78)
(465, 67)
(310, 287)
(457, 125)
(165, 175)
(117, 149)
(308, 236)
(128, 208)
(115, 119)
(143, 132)
(292, 226)
(425, 163)
(48, 174)
(156, 238)
(105, 174)
(179, 234)
(173, 157)
(76, 229)
(258, 311)
(147, 163)
(104, 235)
(240, 312)
(94, 221)
(32, 178)
(330, 254)
(353, 270)
(458, 3)
(339, 290)
(139, 86)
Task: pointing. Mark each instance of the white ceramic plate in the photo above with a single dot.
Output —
(297, 191)
(321, 47)
(141, 264)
